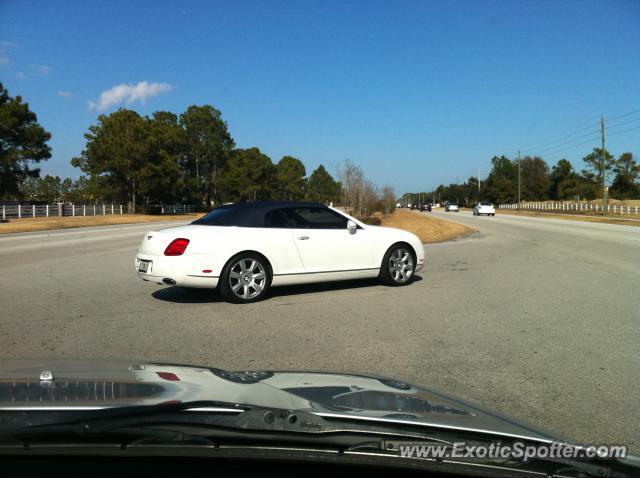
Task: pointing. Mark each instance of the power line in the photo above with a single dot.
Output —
(572, 146)
(624, 131)
(542, 146)
(592, 140)
(566, 143)
(623, 123)
(623, 115)
(594, 125)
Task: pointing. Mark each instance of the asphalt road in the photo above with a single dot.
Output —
(536, 318)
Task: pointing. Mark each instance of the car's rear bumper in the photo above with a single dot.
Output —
(178, 271)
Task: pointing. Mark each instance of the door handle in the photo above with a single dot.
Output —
(303, 238)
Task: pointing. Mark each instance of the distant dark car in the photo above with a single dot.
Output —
(414, 206)
(425, 207)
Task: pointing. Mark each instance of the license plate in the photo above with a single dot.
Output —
(143, 266)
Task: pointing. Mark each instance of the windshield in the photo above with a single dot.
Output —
(426, 212)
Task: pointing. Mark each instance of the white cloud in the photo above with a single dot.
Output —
(21, 76)
(44, 70)
(4, 55)
(65, 94)
(128, 94)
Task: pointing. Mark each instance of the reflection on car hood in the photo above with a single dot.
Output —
(87, 384)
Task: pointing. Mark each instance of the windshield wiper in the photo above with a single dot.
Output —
(201, 418)
(215, 423)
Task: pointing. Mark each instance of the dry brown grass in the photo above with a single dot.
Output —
(428, 228)
(618, 202)
(47, 223)
(575, 216)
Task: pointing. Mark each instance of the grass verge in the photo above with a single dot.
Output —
(428, 228)
(631, 220)
(47, 223)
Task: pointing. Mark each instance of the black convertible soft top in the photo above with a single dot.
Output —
(248, 214)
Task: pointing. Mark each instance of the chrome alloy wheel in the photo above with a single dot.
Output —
(400, 265)
(247, 278)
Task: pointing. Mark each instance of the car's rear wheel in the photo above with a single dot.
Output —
(398, 265)
(246, 278)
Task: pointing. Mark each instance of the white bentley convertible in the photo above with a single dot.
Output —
(245, 248)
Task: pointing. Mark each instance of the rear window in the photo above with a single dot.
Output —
(485, 203)
(222, 216)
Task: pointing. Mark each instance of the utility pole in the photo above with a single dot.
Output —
(479, 182)
(602, 167)
(518, 179)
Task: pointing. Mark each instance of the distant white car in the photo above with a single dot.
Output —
(451, 207)
(243, 249)
(484, 207)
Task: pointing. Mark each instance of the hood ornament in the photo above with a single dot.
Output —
(149, 238)
(46, 376)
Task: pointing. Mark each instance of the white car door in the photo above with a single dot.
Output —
(326, 245)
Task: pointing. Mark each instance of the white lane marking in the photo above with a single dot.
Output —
(88, 230)
(67, 239)
(593, 230)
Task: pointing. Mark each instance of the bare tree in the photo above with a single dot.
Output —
(358, 194)
(388, 200)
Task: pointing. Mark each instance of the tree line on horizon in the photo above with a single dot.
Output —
(192, 158)
(538, 182)
(158, 159)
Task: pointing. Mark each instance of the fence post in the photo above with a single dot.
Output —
(33, 210)
(120, 208)
(47, 210)
(4, 212)
(103, 210)
(94, 209)
(112, 209)
(73, 210)
(19, 211)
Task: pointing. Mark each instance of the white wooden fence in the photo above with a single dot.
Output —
(559, 206)
(52, 210)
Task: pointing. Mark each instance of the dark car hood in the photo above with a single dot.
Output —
(95, 384)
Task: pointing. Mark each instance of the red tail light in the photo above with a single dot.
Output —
(172, 377)
(177, 247)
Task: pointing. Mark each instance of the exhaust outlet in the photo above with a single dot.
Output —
(168, 281)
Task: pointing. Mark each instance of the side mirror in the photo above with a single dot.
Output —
(352, 226)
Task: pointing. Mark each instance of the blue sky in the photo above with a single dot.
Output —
(416, 92)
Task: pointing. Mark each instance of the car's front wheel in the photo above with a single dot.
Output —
(398, 265)
(246, 278)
